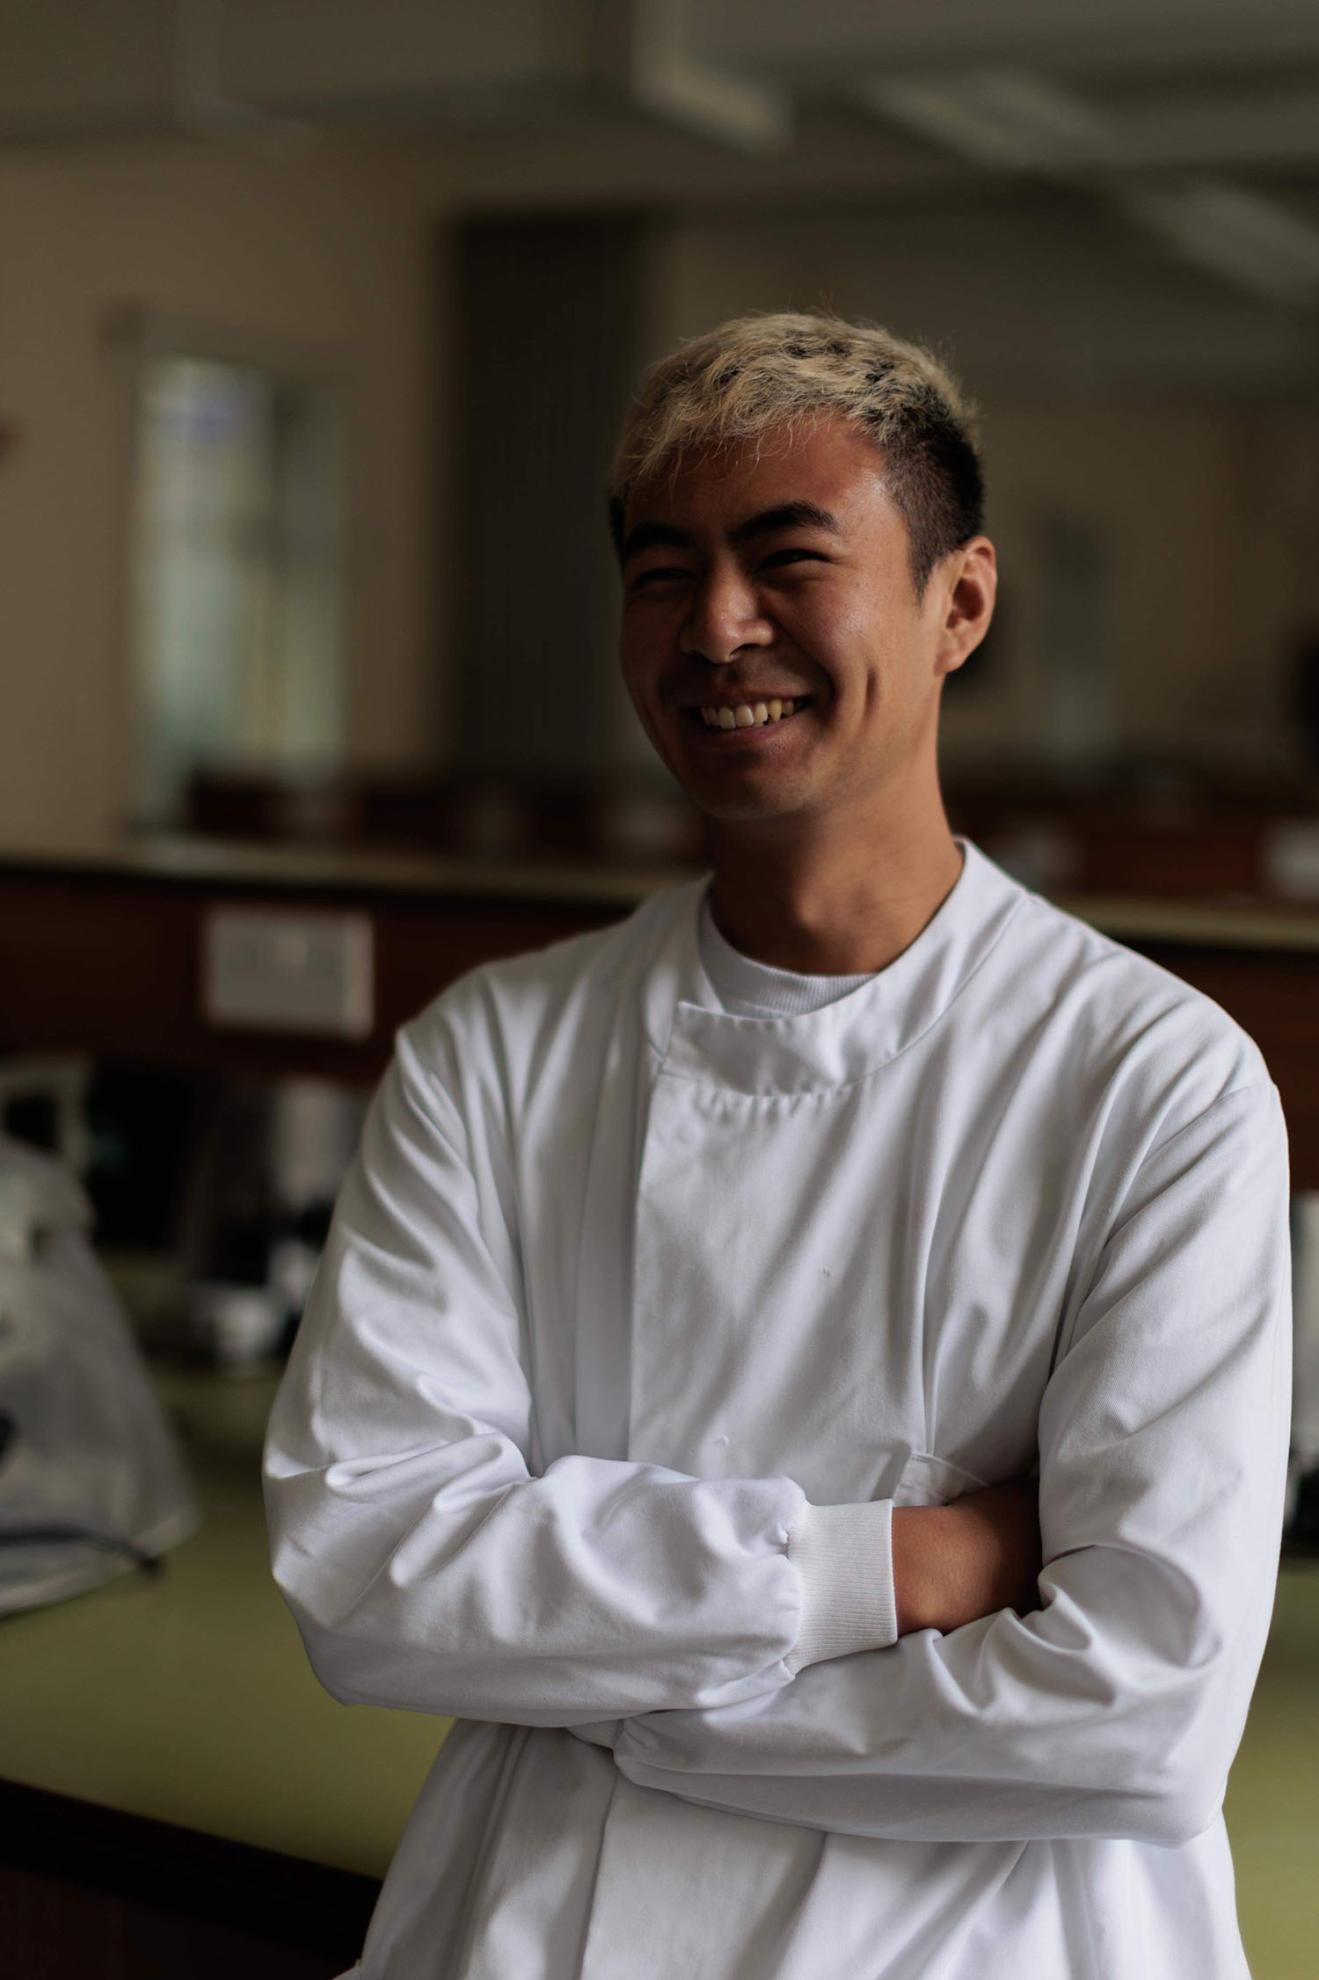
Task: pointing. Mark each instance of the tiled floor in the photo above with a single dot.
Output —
(1273, 1796)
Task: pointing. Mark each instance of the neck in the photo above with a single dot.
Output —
(831, 902)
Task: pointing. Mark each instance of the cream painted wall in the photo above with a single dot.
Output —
(309, 247)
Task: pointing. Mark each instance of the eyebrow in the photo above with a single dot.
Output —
(787, 515)
(784, 515)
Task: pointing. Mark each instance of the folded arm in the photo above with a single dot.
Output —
(1114, 1709)
(427, 1565)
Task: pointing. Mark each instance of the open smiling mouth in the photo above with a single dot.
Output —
(749, 714)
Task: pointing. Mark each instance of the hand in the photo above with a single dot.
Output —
(955, 1563)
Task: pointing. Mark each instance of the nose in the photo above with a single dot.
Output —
(726, 617)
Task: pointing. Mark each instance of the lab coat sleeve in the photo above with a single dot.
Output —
(427, 1565)
(1114, 1709)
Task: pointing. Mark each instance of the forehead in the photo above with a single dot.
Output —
(827, 462)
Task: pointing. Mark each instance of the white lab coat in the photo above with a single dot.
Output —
(621, 1282)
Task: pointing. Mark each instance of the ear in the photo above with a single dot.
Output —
(968, 585)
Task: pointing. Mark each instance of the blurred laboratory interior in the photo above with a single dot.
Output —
(316, 321)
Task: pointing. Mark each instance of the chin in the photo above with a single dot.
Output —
(744, 807)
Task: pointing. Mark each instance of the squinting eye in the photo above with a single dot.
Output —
(784, 557)
(659, 573)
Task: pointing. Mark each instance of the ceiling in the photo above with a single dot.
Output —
(1194, 122)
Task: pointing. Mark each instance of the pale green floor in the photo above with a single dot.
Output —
(189, 1699)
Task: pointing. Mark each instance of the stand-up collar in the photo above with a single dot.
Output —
(846, 1040)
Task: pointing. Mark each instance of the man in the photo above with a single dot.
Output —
(717, 1300)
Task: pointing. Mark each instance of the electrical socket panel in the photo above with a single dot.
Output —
(268, 969)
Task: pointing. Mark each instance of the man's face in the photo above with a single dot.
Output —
(780, 572)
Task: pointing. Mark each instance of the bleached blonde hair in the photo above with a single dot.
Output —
(773, 372)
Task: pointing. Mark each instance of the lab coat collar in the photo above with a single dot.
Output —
(694, 1039)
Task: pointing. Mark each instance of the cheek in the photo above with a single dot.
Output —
(875, 651)
(845, 629)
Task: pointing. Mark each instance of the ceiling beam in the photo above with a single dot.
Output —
(1013, 121)
(644, 49)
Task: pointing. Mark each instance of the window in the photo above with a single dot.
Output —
(238, 579)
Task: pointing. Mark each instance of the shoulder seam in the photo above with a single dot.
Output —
(1232, 1093)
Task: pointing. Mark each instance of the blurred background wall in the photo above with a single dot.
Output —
(476, 224)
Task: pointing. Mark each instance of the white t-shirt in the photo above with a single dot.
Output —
(748, 988)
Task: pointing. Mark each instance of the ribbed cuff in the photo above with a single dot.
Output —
(844, 1555)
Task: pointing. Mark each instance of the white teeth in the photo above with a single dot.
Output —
(747, 715)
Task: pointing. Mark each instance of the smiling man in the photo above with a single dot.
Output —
(786, 658)
(803, 1374)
